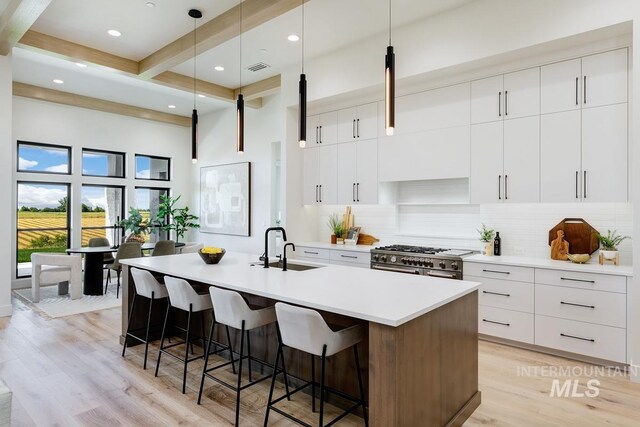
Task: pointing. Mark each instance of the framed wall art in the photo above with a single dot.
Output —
(225, 199)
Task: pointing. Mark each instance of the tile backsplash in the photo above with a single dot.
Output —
(523, 227)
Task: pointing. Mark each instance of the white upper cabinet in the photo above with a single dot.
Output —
(311, 176)
(358, 172)
(347, 176)
(486, 99)
(486, 181)
(320, 182)
(560, 86)
(358, 123)
(604, 78)
(521, 96)
(522, 160)
(322, 129)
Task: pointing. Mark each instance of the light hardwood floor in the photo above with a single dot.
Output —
(69, 372)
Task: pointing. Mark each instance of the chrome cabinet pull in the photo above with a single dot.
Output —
(584, 89)
(497, 323)
(499, 190)
(577, 338)
(496, 293)
(577, 175)
(577, 79)
(443, 276)
(395, 270)
(577, 305)
(506, 104)
(497, 271)
(578, 280)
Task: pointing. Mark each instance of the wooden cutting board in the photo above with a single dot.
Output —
(582, 237)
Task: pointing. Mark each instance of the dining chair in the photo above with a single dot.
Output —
(125, 251)
(164, 247)
(191, 247)
(107, 258)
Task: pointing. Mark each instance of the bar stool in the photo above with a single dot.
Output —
(306, 330)
(232, 310)
(146, 287)
(183, 297)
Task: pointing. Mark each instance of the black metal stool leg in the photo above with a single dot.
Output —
(249, 354)
(118, 287)
(273, 383)
(239, 376)
(313, 383)
(284, 367)
(206, 357)
(133, 303)
(324, 363)
(164, 328)
(186, 351)
(146, 338)
(364, 408)
(233, 364)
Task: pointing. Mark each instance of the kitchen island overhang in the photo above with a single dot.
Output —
(422, 360)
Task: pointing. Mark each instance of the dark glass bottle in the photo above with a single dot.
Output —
(496, 245)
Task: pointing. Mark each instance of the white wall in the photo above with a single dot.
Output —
(217, 146)
(39, 121)
(6, 185)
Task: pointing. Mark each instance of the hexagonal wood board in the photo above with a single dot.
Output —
(582, 237)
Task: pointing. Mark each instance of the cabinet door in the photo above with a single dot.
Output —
(328, 172)
(312, 131)
(347, 176)
(560, 86)
(522, 93)
(560, 157)
(486, 163)
(367, 168)
(347, 124)
(604, 78)
(522, 160)
(486, 100)
(367, 121)
(604, 154)
(311, 179)
(328, 132)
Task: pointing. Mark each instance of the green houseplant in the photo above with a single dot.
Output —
(486, 236)
(136, 225)
(335, 225)
(609, 243)
(177, 219)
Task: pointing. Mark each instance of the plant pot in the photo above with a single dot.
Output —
(340, 241)
(135, 238)
(609, 253)
(334, 239)
(488, 248)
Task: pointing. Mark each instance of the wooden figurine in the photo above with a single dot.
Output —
(559, 247)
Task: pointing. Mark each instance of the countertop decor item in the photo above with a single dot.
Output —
(579, 258)
(486, 236)
(335, 225)
(367, 239)
(559, 247)
(581, 236)
(609, 252)
(211, 255)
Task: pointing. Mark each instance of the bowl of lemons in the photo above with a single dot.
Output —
(211, 255)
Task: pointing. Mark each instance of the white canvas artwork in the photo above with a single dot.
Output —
(225, 199)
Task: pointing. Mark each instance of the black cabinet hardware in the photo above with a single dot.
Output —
(496, 271)
(499, 190)
(578, 280)
(577, 338)
(499, 102)
(496, 293)
(309, 252)
(497, 323)
(577, 79)
(577, 305)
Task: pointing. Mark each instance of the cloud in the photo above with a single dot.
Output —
(26, 164)
(145, 173)
(39, 196)
(58, 168)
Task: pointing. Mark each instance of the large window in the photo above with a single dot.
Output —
(43, 221)
(43, 158)
(152, 167)
(102, 163)
(148, 201)
(102, 206)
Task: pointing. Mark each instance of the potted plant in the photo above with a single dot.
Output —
(486, 236)
(610, 244)
(171, 218)
(335, 225)
(136, 225)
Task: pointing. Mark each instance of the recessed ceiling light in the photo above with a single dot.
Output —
(58, 81)
(171, 106)
(218, 68)
(81, 65)
(151, 4)
(293, 38)
(201, 95)
(114, 33)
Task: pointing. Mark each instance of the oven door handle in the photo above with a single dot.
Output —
(395, 270)
(441, 275)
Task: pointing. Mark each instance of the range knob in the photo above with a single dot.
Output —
(429, 263)
(420, 262)
(454, 265)
(404, 260)
(442, 264)
(375, 257)
(383, 258)
(415, 261)
(393, 258)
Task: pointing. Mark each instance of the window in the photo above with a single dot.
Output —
(102, 206)
(43, 158)
(148, 201)
(103, 163)
(43, 221)
(154, 168)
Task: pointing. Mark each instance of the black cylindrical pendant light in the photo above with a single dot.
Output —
(240, 124)
(195, 14)
(194, 136)
(302, 111)
(389, 85)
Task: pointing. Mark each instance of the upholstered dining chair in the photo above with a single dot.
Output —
(190, 247)
(50, 269)
(107, 258)
(164, 247)
(125, 251)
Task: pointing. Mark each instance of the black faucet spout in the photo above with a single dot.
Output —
(266, 242)
(284, 255)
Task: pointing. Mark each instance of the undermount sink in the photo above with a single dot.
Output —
(290, 266)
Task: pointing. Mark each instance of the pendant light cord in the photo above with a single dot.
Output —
(240, 60)
(194, 61)
(389, 22)
(303, 38)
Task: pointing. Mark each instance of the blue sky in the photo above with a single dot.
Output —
(43, 159)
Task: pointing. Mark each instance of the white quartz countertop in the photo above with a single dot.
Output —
(324, 245)
(591, 267)
(375, 296)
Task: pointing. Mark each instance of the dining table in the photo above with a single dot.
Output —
(94, 264)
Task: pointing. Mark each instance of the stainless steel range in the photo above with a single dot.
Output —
(435, 262)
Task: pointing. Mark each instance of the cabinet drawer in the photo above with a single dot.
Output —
(512, 325)
(505, 294)
(312, 253)
(351, 256)
(497, 271)
(603, 308)
(603, 342)
(573, 279)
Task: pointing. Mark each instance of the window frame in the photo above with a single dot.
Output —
(135, 171)
(146, 187)
(96, 150)
(122, 207)
(18, 230)
(44, 145)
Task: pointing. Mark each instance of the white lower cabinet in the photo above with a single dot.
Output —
(346, 257)
(508, 324)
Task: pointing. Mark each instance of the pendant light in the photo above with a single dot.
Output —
(240, 102)
(302, 91)
(195, 14)
(389, 84)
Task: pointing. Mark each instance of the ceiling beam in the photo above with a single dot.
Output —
(215, 32)
(259, 89)
(59, 97)
(17, 18)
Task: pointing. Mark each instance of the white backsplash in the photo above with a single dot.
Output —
(523, 228)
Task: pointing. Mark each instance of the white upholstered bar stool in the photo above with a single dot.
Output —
(149, 288)
(305, 330)
(232, 310)
(183, 297)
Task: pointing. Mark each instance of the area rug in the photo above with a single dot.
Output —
(52, 305)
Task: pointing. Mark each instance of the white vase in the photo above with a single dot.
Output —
(488, 248)
(608, 254)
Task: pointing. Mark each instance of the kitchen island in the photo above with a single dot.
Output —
(420, 361)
